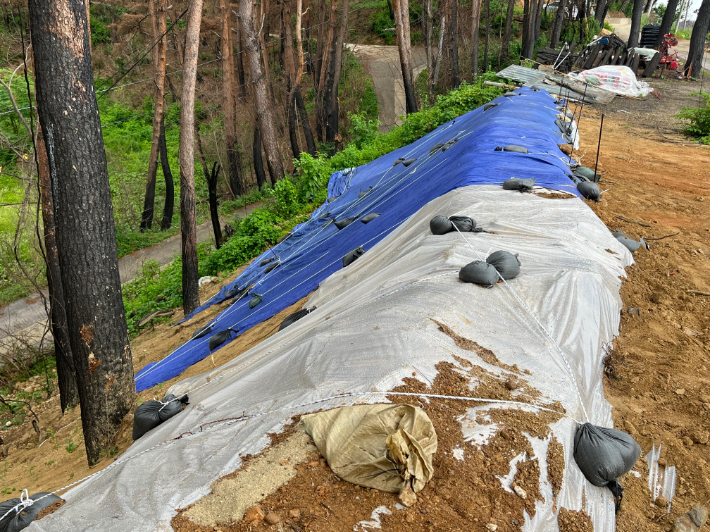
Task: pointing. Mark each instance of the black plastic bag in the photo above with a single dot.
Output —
(202, 331)
(342, 224)
(408, 162)
(515, 183)
(255, 300)
(369, 217)
(479, 272)
(489, 106)
(435, 148)
(219, 338)
(589, 190)
(506, 263)
(234, 292)
(514, 148)
(267, 261)
(272, 266)
(16, 521)
(293, 318)
(603, 455)
(440, 225)
(398, 161)
(465, 224)
(352, 256)
(511, 94)
(152, 413)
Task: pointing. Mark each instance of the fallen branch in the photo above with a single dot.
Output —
(698, 292)
(662, 237)
(156, 314)
(503, 85)
(633, 221)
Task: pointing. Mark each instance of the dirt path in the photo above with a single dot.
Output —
(383, 64)
(27, 317)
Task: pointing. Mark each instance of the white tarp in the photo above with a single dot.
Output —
(380, 330)
(615, 78)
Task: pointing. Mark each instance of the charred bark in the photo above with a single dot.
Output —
(167, 220)
(404, 43)
(427, 27)
(236, 183)
(333, 109)
(258, 161)
(505, 50)
(475, 24)
(455, 42)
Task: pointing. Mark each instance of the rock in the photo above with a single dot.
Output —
(692, 521)
(520, 492)
(408, 497)
(272, 518)
(662, 502)
(409, 518)
(491, 527)
(8, 424)
(29, 389)
(254, 514)
(700, 436)
(294, 514)
(680, 391)
(511, 384)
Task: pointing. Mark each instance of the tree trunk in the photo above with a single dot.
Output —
(318, 63)
(325, 70)
(667, 22)
(694, 65)
(169, 183)
(211, 178)
(292, 134)
(401, 19)
(188, 223)
(505, 51)
(635, 24)
(302, 113)
(488, 36)
(600, 12)
(86, 234)
(236, 183)
(442, 27)
(455, 42)
(68, 391)
(176, 35)
(290, 74)
(427, 23)
(475, 24)
(261, 37)
(333, 108)
(157, 9)
(264, 111)
(258, 161)
(240, 62)
(557, 27)
(538, 22)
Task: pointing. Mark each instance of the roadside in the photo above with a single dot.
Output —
(25, 320)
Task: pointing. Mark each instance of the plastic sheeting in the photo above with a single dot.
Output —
(372, 328)
(617, 79)
(316, 248)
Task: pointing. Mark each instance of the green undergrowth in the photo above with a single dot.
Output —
(292, 199)
(697, 119)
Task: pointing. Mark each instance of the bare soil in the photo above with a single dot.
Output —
(657, 185)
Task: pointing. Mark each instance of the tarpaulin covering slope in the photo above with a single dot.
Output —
(315, 249)
(373, 327)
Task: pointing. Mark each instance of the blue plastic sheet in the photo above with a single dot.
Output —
(315, 249)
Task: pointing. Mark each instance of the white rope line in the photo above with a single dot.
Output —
(541, 327)
(25, 501)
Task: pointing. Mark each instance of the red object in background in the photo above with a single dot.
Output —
(668, 59)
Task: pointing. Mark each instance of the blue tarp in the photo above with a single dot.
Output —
(315, 249)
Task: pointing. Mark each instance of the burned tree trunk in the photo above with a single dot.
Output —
(694, 65)
(85, 230)
(557, 27)
(211, 178)
(264, 111)
(157, 9)
(404, 43)
(333, 107)
(538, 22)
(302, 113)
(68, 391)
(488, 36)
(505, 51)
(455, 41)
(169, 182)
(427, 23)
(236, 183)
(258, 161)
(188, 223)
(475, 24)
(290, 70)
(325, 71)
(240, 62)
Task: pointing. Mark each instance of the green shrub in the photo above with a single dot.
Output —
(697, 120)
(383, 25)
(286, 198)
(313, 174)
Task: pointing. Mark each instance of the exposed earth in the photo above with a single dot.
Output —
(656, 184)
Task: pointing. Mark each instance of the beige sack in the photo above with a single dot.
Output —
(387, 447)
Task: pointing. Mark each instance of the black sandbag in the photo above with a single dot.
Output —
(293, 318)
(498, 148)
(514, 148)
(16, 521)
(440, 225)
(369, 217)
(589, 190)
(219, 338)
(408, 162)
(398, 161)
(272, 266)
(448, 144)
(506, 263)
(515, 183)
(324, 216)
(479, 272)
(435, 148)
(603, 455)
(267, 261)
(352, 256)
(511, 94)
(342, 224)
(255, 300)
(331, 200)
(363, 194)
(630, 244)
(564, 127)
(465, 224)
(202, 331)
(489, 106)
(234, 292)
(152, 413)
(583, 171)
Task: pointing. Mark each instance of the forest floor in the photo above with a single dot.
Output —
(656, 184)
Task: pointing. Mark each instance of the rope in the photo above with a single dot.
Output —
(26, 502)
(537, 322)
